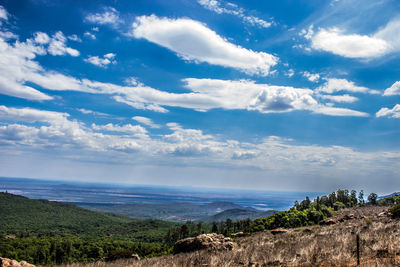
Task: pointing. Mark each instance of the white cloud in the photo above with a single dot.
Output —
(57, 46)
(233, 9)
(390, 113)
(334, 111)
(192, 40)
(41, 38)
(31, 115)
(3, 13)
(290, 73)
(109, 16)
(87, 111)
(274, 155)
(339, 98)
(333, 85)
(349, 45)
(146, 121)
(312, 77)
(393, 90)
(19, 67)
(127, 128)
(75, 38)
(102, 62)
(391, 34)
(90, 35)
(336, 41)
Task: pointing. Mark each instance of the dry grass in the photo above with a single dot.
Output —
(333, 245)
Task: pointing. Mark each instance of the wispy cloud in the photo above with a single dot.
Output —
(193, 41)
(3, 14)
(233, 9)
(146, 121)
(109, 16)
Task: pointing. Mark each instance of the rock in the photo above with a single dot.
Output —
(13, 263)
(135, 257)
(279, 231)
(328, 222)
(384, 214)
(239, 234)
(212, 241)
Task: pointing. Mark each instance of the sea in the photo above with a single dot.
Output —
(82, 193)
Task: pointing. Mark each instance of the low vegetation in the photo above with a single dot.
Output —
(48, 233)
(333, 245)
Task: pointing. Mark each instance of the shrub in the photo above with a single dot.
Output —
(338, 205)
(395, 210)
(118, 254)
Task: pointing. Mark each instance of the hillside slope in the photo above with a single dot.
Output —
(332, 245)
(21, 215)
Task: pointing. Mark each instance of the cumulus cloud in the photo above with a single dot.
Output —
(235, 10)
(333, 85)
(349, 45)
(146, 121)
(264, 98)
(337, 41)
(109, 16)
(102, 61)
(393, 90)
(193, 41)
(17, 65)
(390, 113)
(57, 46)
(312, 77)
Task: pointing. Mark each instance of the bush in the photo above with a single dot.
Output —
(395, 210)
(338, 205)
(118, 254)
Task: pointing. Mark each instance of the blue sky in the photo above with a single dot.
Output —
(295, 95)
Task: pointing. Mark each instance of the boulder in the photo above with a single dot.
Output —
(385, 213)
(279, 231)
(4, 262)
(135, 257)
(214, 242)
(239, 234)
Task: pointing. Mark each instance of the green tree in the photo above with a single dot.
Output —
(372, 198)
(361, 197)
(214, 228)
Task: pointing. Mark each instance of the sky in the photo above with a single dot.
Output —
(270, 95)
